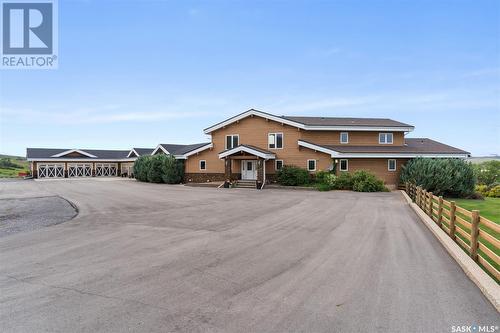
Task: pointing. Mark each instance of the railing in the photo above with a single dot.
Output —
(477, 235)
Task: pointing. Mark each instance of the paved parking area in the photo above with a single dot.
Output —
(146, 257)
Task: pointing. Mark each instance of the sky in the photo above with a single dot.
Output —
(139, 73)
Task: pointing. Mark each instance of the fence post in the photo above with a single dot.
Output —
(431, 197)
(407, 189)
(440, 211)
(453, 209)
(423, 203)
(474, 233)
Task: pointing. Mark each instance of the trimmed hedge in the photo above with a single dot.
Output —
(447, 177)
(159, 169)
(290, 175)
(359, 181)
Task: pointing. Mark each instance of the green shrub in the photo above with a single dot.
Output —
(173, 170)
(141, 167)
(487, 172)
(483, 189)
(325, 177)
(159, 169)
(343, 182)
(323, 187)
(290, 175)
(494, 192)
(155, 168)
(363, 181)
(447, 177)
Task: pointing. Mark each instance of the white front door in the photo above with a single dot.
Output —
(249, 170)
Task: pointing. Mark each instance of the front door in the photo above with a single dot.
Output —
(248, 170)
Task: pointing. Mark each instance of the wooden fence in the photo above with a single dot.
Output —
(478, 236)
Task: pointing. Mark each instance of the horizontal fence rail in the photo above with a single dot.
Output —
(477, 235)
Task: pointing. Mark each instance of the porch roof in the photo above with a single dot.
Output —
(252, 150)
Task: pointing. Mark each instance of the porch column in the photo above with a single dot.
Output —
(260, 171)
(227, 170)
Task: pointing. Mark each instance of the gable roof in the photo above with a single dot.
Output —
(143, 151)
(176, 149)
(266, 154)
(91, 154)
(321, 123)
(73, 151)
(414, 147)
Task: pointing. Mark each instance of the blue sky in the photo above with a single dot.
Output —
(137, 73)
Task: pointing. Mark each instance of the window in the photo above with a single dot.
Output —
(278, 165)
(344, 137)
(311, 165)
(344, 165)
(385, 138)
(203, 165)
(391, 165)
(232, 141)
(275, 140)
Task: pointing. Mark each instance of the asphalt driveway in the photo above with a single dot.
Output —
(157, 258)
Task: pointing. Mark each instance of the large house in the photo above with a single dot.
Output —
(254, 145)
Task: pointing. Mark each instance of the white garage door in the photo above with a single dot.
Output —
(106, 169)
(51, 170)
(79, 170)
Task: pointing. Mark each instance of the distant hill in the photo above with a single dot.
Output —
(481, 159)
(17, 158)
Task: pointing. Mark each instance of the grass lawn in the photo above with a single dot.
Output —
(489, 207)
(12, 172)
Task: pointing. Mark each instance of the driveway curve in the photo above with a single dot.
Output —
(147, 257)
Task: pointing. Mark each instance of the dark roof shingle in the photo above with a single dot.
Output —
(339, 121)
(412, 145)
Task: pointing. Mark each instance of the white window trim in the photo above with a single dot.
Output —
(231, 135)
(389, 164)
(340, 138)
(275, 140)
(386, 135)
(276, 164)
(315, 165)
(346, 163)
(199, 164)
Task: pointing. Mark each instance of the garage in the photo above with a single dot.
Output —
(106, 169)
(55, 170)
(79, 170)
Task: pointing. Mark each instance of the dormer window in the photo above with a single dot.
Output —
(344, 137)
(385, 138)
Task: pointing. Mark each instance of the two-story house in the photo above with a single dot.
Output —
(254, 145)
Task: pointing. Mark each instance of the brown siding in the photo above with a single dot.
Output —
(377, 166)
(254, 131)
(355, 138)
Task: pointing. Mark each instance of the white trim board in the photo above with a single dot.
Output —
(246, 150)
(336, 154)
(74, 151)
(281, 120)
(160, 147)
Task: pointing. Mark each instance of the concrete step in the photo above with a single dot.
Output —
(246, 184)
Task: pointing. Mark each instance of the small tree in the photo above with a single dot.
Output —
(155, 168)
(487, 172)
(172, 170)
(448, 176)
(141, 166)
